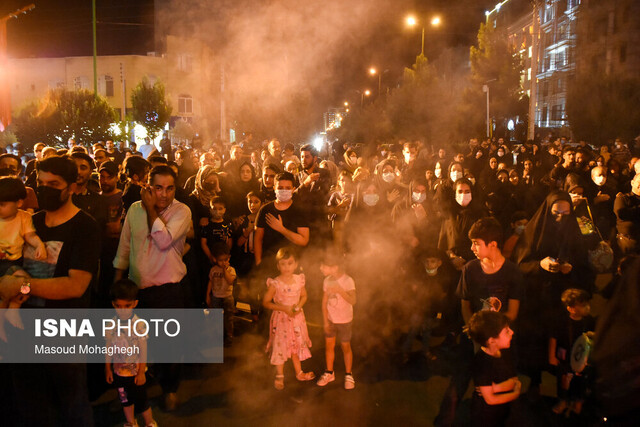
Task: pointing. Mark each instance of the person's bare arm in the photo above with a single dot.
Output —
(492, 398)
(57, 288)
(512, 310)
(300, 237)
(465, 308)
(257, 244)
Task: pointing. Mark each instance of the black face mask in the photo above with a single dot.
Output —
(49, 198)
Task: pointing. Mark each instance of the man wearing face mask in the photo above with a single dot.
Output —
(601, 195)
(72, 239)
(279, 223)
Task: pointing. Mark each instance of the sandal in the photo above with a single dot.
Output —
(560, 407)
(305, 376)
(278, 383)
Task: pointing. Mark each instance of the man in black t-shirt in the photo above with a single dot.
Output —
(72, 239)
(280, 222)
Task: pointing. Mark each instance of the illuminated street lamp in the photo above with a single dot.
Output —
(373, 71)
(346, 104)
(365, 93)
(412, 21)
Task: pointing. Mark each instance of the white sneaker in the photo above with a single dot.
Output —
(326, 378)
(349, 382)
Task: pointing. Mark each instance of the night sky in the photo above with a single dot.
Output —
(63, 28)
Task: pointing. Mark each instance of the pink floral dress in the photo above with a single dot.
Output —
(288, 335)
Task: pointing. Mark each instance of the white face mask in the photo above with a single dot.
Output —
(599, 180)
(438, 173)
(388, 177)
(370, 199)
(217, 164)
(431, 272)
(463, 199)
(284, 195)
(383, 154)
(353, 159)
(520, 229)
(455, 175)
(418, 197)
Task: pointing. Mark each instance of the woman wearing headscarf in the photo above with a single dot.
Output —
(235, 190)
(207, 186)
(553, 256)
(350, 161)
(388, 182)
(464, 210)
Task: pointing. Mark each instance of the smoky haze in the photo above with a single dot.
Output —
(282, 58)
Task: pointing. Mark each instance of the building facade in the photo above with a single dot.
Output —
(185, 71)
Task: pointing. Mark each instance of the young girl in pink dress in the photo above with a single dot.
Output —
(288, 336)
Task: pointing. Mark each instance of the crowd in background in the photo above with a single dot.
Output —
(400, 213)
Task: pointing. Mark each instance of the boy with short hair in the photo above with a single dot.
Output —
(571, 386)
(490, 281)
(128, 372)
(217, 230)
(494, 372)
(337, 312)
(220, 288)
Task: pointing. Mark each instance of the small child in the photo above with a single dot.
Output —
(337, 312)
(16, 228)
(217, 230)
(220, 289)
(494, 372)
(519, 221)
(128, 372)
(571, 386)
(288, 336)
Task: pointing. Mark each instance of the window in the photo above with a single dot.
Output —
(545, 88)
(545, 111)
(56, 84)
(556, 112)
(623, 52)
(185, 62)
(185, 104)
(105, 85)
(81, 82)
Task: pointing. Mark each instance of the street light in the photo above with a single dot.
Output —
(346, 104)
(365, 93)
(412, 21)
(373, 71)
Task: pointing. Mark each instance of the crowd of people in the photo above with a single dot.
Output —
(431, 236)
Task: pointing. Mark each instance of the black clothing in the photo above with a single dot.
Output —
(487, 370)
(74, 245)
(292, 219)
(481, 289)
(130, 195)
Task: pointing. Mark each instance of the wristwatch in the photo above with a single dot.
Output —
(25, 289)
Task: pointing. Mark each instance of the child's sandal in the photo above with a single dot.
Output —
(278, 383)
(305, 376)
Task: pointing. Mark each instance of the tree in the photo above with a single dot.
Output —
(150, 107)
(64, 114)
(601, 107)
(496, 64)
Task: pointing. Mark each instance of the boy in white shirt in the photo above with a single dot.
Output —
(337, 312)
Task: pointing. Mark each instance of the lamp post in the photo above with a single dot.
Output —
(373, 71)
(412, 21)
(485, 88)
(363, 94)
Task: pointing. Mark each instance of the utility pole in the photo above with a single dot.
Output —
(223, 113)
(533, 94)
(95, 50)
(5, 91)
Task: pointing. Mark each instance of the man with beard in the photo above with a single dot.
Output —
(560, 172)
(313, 193)
(47, 394)
(83, 197)
(112, 199)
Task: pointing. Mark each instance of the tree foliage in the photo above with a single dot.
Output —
(424, 107)
(601, 108)
(499, 66)
(64, 114)
(150, 107)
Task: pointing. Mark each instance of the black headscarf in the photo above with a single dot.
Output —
(544, 237)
